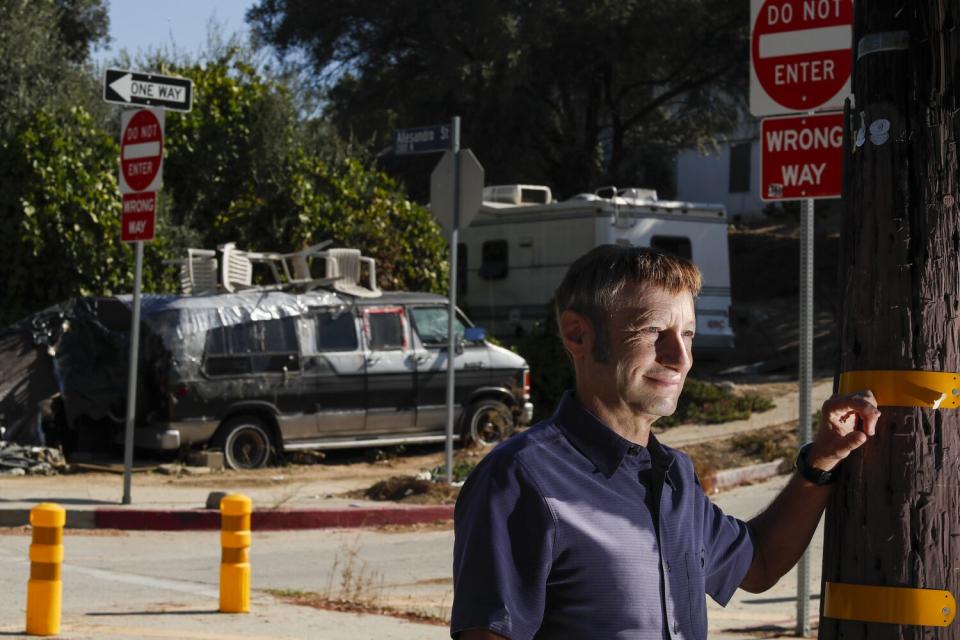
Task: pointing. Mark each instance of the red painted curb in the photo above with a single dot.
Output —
(267, 520)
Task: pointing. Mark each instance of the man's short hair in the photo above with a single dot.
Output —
(595, 281)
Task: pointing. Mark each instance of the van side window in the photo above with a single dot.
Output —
(336, 331)
(268, 346)
(431, 325)
(674, 245)
(494, 263)
(384, 327)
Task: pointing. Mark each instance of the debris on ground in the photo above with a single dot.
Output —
(409, 489)
(19, 460)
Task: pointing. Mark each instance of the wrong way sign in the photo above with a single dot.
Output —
(801, 157)
(141, 150)
(800, 55)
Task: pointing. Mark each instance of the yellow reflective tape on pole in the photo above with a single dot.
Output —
(892, 605)
(928, 389)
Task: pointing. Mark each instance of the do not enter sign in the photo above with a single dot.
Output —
(800, 56)
(141, 150)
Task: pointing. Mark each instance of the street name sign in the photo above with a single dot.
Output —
(421, 140)
(138, 217)
(801, 157)
(141, 150)
(800, 55)
(441, 188)
(147, 89)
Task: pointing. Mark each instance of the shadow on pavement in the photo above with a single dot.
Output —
(62, 500)
(178, 612)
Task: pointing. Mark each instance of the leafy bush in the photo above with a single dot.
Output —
(706, 403)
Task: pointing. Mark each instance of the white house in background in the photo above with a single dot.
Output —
(729, 176)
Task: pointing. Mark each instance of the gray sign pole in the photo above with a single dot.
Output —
(451, 338)
(132, 373)
(806, 383)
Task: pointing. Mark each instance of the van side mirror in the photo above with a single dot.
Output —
(474, 334)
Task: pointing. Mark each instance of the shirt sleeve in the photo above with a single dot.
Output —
(728, 550)
(502, 551)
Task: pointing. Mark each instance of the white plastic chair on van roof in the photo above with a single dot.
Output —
(345, 264)
(198, 272)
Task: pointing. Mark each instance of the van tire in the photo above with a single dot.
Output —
(245, 442)
(487, 421)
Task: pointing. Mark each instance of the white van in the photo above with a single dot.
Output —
(518, 248)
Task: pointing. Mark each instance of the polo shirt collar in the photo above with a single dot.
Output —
(600, 444)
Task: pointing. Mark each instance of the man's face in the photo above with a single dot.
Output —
(651, 338)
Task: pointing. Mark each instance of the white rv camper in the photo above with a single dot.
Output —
(517, 249)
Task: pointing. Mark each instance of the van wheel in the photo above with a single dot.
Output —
(488, 422)
(245, 443)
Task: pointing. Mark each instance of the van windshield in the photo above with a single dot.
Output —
(431, 326)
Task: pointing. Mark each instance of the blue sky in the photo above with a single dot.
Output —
(145, 25)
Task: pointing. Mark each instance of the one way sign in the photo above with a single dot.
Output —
(147, 89)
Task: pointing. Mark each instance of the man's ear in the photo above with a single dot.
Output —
(577, 334)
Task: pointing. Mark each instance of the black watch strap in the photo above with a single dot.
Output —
(812, 474)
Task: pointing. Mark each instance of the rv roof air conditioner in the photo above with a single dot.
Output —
(518, 194)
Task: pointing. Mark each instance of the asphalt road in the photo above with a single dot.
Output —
(164, 585)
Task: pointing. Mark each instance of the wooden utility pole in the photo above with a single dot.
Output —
(894, 518)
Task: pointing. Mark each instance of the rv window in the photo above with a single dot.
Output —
(336, 331)
(431, 325)
(494, 265)
(385, 329)
(740, 167)
(461, 268)
(674, 245)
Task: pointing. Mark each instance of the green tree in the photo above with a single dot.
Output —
(43, 45)
(59, 214)
(244, 166)
(575, 93)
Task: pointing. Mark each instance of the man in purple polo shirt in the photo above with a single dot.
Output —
(585, 526)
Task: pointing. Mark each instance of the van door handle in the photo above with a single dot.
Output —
(373, 359)
(420, 358)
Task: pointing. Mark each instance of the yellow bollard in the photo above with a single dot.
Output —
(235, 510)
(45, 588)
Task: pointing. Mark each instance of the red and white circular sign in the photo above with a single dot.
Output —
(800, 53)
(141, 151)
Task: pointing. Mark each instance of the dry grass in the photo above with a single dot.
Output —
(354, 586)
(753, 447)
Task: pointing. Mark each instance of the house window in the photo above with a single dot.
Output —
(674, 245)
(740, 167)
(494, 264)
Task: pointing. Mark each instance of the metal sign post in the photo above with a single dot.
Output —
(806, 384)
(451, 338)
(132, 379)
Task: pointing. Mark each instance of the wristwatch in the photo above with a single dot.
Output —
(810, 473)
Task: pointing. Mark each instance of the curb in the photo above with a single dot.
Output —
(731, 478)
(263, 520)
